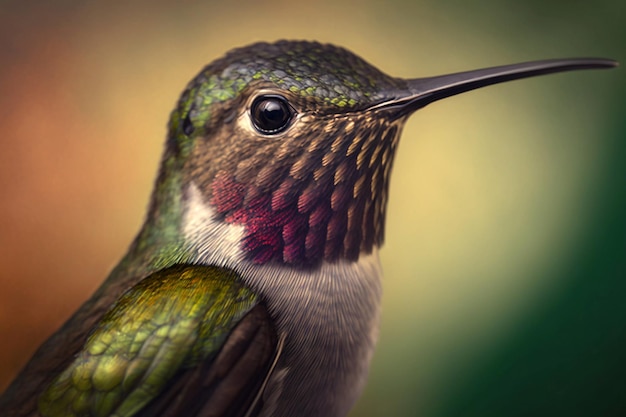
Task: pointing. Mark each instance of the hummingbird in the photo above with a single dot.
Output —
(253, 287)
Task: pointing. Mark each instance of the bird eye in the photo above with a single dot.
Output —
(271, 114)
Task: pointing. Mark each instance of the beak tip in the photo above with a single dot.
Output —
(599, 62)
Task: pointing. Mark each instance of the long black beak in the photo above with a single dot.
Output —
(423, 91)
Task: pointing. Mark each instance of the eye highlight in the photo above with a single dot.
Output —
(271, 114)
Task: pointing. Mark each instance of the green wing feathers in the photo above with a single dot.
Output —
(169, 322)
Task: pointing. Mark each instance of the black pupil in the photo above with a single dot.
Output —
(270, 114)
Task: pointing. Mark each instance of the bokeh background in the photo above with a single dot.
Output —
(505, 255)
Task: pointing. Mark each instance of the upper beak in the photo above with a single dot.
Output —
(422, 91)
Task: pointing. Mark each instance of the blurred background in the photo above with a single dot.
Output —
(505, 254)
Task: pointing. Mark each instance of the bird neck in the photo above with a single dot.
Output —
(160, 242)
(303, 201)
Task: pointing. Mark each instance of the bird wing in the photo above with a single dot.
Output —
(185, 341)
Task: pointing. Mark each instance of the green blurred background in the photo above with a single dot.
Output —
(505, 255)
